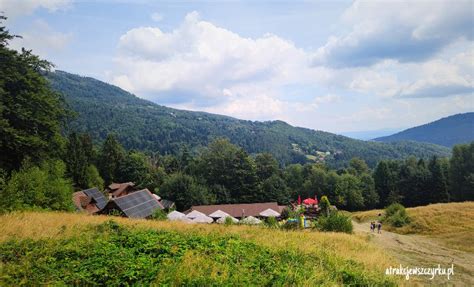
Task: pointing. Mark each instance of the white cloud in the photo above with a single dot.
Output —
(202, 65)
(407, 31)
(51, 41)
(16, 8)
(157, 17)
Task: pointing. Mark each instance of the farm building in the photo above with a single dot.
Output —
(137, 204)
(239, 210)
(120, 189)
(90, 200)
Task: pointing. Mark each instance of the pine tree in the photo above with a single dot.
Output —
(438, 186)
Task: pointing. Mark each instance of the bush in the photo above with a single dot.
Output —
(41, 186)
(271, 222)
(228, 221)
(396, 215)
(336, 222)
(159, 214)
(291, 225)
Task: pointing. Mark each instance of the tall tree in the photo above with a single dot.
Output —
(461, 172)
(227, 165)
(357, 166)
(78, 158)
(111, 155)
(385, 179)
(185, 191)
(437, 185)
(349, 193)
(267, 166)
(30, 112)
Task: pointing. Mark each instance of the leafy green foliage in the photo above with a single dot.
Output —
(396, 215)
(30, 112)
(325, 205)
(111, 255)
(159, 214)
(41, 186)
(271, 222)
(335, 222)
(229, 166)
(185, 191)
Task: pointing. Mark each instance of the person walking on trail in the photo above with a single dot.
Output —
(379, 227)
(372, 226)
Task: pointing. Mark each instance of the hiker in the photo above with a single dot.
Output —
(379, 226)
(372, 226)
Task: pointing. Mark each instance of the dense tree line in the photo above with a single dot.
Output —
(39, 167)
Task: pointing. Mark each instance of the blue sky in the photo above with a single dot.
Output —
(337, 66)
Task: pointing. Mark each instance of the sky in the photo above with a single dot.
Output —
(337, 66)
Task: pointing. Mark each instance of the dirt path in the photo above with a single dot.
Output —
(421, 251)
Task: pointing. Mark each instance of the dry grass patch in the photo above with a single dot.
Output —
(55, 225)
(452, 223)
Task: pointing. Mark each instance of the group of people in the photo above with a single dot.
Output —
(377, 225)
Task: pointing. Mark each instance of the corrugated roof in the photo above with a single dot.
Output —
(237, 210)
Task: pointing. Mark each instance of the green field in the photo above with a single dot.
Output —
(73, 249)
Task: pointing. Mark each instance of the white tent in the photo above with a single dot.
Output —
(269, 213)
(222, 219)
(218, 214)
(202, 219)
(175, 215)
(251, 220)
(194, 214)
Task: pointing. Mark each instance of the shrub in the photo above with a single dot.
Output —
(336, 222)
(291, 225)
(396, 215)
(228, 221)
(325, 205)
(159, 214)
(41, 186)
(271, 222)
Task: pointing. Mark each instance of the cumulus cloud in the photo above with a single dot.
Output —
(200, 66)
(15, 8)
(50, 41)
(204, 65)
(405, 31)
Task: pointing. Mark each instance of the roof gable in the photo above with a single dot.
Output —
(237, 210)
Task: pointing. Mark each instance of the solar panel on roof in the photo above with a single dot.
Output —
(139, 204)
(99, 198)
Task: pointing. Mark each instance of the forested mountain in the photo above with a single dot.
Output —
(140, 124)
(449, 131)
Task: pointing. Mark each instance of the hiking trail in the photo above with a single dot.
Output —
(422, 251)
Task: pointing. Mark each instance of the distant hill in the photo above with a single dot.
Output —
(447, 131)
(140, 124)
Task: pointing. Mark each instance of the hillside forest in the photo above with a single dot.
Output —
(41, 165)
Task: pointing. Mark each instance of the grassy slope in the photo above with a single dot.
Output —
(303, 258)
(451, 223)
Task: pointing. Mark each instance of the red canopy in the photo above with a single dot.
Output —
(310, 201)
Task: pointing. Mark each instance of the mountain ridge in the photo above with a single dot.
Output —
(140, 124)
(447, 131)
